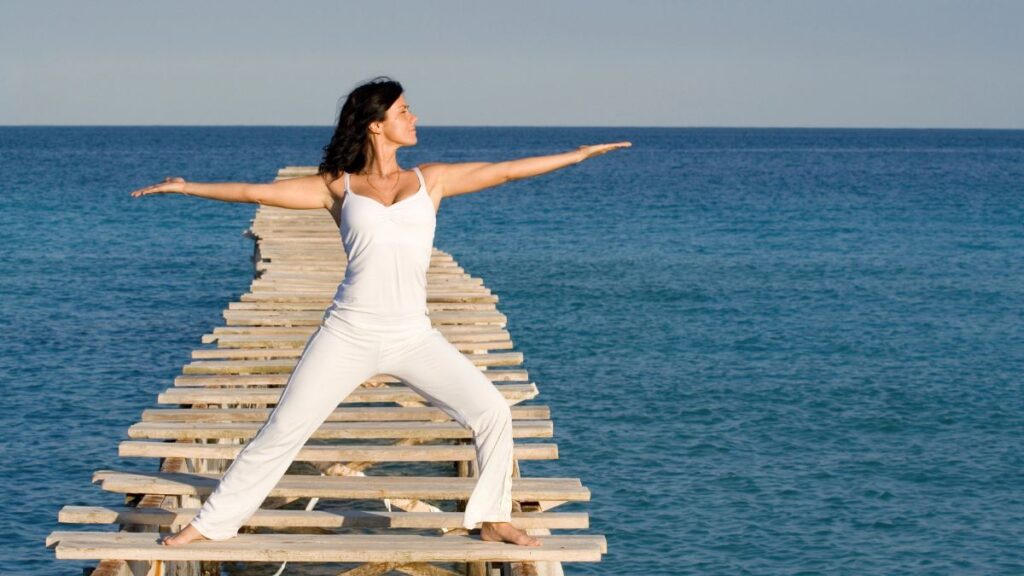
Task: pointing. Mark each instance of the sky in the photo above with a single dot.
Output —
(811, 63)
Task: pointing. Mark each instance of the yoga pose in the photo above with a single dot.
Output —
(377, 323)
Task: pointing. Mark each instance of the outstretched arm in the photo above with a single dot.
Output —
(466, 177)
(303, 193)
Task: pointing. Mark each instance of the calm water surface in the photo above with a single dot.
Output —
(765, 351)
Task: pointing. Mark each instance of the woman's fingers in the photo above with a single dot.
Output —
(598, 149)
(154, 189)
(169, 184)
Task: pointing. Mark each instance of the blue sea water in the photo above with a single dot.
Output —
(766, 351)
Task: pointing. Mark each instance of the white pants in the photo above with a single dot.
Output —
(347, 349)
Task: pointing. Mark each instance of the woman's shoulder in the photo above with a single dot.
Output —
(432, 174)
(431, 167)
(432, 171)
(335, 184)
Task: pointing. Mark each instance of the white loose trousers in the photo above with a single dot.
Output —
(347, 349)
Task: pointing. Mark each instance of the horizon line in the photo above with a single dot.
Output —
(634, 127)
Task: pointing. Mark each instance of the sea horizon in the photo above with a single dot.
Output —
(527, 126)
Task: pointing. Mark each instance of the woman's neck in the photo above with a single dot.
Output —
(381, 160)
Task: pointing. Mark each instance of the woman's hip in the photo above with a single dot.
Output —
(386, 327)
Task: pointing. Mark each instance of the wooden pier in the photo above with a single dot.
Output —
(381, 521)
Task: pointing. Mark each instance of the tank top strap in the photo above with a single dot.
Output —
(423, 181)
(346, 182)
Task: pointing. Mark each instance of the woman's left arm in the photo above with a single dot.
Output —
(466, 177)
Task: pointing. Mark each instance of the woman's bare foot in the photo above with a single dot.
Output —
(505, 532)
(187, 535)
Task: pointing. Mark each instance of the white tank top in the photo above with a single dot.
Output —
(389, 249)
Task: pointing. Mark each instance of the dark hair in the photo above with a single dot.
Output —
(367, 103)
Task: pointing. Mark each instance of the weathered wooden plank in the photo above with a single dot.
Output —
(315, 518)
(333, 453)
(262, 339)
(326, 280)
(314, 318)
(321, 306)
(343, 487)
(276, 365)
(332, 270)
(285, 264)
(280, 379)
(449, 331)
(445, 282)
(293, 347)
(481, 295)
(454, 333)
(70, 545)
(344, 414)
(294, 257)
(511, 392)
(332, 430)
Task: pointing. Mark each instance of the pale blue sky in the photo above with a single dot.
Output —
(813, 63)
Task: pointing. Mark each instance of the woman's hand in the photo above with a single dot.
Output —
(169, 185)
(598, 149)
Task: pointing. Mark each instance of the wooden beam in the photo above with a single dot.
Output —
(406, 549)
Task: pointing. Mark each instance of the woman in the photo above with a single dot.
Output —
(377, 323)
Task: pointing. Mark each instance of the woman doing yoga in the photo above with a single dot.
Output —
(377, 323)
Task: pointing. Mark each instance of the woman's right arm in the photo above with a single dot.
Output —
(303, 193)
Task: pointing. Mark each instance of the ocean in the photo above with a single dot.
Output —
(766, 351)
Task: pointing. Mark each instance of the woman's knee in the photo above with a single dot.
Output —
(493, 412)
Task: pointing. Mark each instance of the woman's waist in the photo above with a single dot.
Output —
(384, 296)
(377, 320)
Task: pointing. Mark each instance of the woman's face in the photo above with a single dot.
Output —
(399, 125)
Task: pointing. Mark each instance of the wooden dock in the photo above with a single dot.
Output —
(381, 521)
